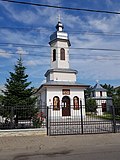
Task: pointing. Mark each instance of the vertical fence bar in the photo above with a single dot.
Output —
(47, 124)
(11, 117)
(81, 117)
(114, 119)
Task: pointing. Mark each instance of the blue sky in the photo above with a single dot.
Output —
(34, 25)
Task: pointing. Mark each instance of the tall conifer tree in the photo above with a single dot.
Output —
(16, 87)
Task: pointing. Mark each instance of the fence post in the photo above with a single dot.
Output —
(48, 125)
(81, 117)
(11, 117)
(114, 120)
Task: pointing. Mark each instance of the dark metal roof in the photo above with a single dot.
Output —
(98, 87)
(64, 84)
(61, 70)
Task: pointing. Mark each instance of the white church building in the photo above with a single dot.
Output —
(61, 92)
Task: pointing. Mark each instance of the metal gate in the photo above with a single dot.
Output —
(81, 121)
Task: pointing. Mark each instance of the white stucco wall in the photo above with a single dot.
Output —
(47, 95)
(60, 63)
(97, 94)
(55, 76)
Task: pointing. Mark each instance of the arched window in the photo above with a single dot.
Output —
(56, 103)
(62, 54)
(54, 54)
(76, 103)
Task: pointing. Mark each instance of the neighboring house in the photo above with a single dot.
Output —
(103, 101)
(61, 92)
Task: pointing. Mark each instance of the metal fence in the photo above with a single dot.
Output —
(116, 119)
(21, 117)
(83, 121)
(80, 120)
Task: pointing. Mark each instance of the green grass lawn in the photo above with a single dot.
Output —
(107, 116)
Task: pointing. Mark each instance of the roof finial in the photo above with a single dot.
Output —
(59, 18)
(59, 25)
(97, 81)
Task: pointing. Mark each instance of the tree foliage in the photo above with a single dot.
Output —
(88, 92)
(110, 89)
(1, 99)
(116, 98)
(16, 88)
(91, 105)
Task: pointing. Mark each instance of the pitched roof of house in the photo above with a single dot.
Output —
(63, 83)
(98, 87)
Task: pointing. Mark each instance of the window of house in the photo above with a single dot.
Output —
(100, 93)
(56, 103)
(76, 103)
(54, 55)
(93, 94)
(62, 54)
(104, 108)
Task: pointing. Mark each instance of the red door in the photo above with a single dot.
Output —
(66, 106)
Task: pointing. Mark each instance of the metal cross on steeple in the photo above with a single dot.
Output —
(59, 18)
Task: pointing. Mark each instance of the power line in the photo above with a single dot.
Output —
(71, 54)
(74, 48)
(24, 45)
(102, 58)
(62, 7)
(27, 54)
(70, 32)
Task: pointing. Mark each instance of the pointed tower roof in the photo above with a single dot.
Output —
(59, 34)
(98, 87)
(59, 26)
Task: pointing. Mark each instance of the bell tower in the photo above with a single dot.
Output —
(60, 69)
(59, 43)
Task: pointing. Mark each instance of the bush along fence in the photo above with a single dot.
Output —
(21, 117)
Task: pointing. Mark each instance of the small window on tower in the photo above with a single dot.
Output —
(54, 55)
(62, 54)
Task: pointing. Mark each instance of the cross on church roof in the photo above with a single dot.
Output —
(59, 18)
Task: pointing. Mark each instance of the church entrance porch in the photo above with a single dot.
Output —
(66, 106)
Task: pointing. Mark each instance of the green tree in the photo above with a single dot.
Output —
(116, 101)
(1, 99)
(18, 102)
(110, 89)
(91, 105)
(16, 88)
(88, 92)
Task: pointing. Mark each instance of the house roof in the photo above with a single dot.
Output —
(60, 70)
(64, 84)
(98, 87)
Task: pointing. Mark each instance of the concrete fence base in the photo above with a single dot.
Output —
(23, 132)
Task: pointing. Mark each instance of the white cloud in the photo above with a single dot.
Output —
(4, 54)
(21, 15)
(91, 65)
(37, 62)
(21, 51)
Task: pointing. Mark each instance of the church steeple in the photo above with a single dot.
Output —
(59, 42)
(60, 69)
(59, 26)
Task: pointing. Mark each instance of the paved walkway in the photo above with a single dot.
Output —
(11, 148)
